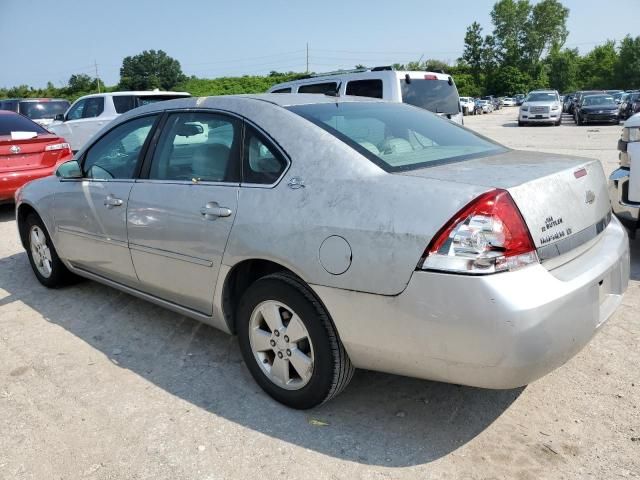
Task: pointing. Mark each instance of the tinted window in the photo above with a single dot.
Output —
(397, 137)
(9, 105)
(282, 90)
(17, 123)
(365, 88)
(38, 110)
(200, 146)
(542, 97)
(123, 103)
(116, 155)
(318, 87)
(147, 99)
(93, 107)
(76, 110)
(434, 95)
(262, 161)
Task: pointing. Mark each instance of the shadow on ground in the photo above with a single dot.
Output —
(7, 212)
(379, 420)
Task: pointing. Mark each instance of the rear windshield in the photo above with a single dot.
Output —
(434, 95)
(39, 110)
(124, 103)
(397, 137)
(17, 123)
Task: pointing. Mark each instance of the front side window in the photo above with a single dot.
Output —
(437, 96)
(318, 87)
(365, 88)
(397, 137)
(263, 164)
(196, 146)
(116, 155)
(76, 110)
(93, 107)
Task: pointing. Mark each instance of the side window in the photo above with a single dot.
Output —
(282, 90)
(198, 146)
(116, 155)
(93, 107)
(317, 87)
(365, 88)
(262, 162)
(76, 111)
(124, 103)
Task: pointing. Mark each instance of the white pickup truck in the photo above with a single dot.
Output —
(624, 183)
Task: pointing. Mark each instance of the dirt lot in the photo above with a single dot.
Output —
(96, 384)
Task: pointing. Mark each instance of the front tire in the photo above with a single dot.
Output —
(289, 344)
(44, 260)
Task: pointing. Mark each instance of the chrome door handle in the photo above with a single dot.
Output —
(111, 202)
(212, 210)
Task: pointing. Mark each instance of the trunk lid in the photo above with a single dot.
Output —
(562, 199)
(28, 154)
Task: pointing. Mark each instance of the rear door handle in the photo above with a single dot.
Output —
(111, 201)
(212, 210)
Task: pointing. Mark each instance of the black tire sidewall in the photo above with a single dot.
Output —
(319, 386)
(58, 270)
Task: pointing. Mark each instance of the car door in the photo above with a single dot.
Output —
(180, 215)
(90, 213)
(82, 121)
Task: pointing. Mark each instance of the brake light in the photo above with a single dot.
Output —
(431, 77)
(488, 235)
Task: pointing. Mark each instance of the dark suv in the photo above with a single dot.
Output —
(630, 105)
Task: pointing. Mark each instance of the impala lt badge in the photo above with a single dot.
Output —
(15, 149)
(590, 197)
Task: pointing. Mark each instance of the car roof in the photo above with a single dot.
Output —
(292, 99)
(136, 92)
(368, 74)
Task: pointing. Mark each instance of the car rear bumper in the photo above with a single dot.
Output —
(627, 211)
(494, 331)
(12, 181)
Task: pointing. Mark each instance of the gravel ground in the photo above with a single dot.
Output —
(97, 384)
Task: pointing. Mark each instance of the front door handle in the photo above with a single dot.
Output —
(111, 201)
(212, 210)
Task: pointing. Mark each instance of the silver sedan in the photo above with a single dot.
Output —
(331, 234)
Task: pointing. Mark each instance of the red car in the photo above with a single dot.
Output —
(27, 152)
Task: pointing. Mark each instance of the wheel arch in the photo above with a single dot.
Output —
(22, 212)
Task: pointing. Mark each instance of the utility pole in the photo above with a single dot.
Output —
(95, 63)
(307, 57)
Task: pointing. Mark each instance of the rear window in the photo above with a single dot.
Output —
(9, 105)
(39, 110)
(124, 103)
(397, 137)
(434, 95)
(318, 87)
(17, 123)
(365, 88)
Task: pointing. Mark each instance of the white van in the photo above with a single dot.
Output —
(432, 91)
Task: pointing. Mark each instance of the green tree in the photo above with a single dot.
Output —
(150, 69)
(547, 28)
(597, 66)
(473, 50)
(511, 23)
(509, 80)
(627, 67)
(80, 83)
(564, 68)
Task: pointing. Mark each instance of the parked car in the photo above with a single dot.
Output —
(577, 100)
(624, 183)
(468, 105)
(519, 98)
(566, 102)
(243, 229)
(90, 113)
(541, 106)
(40, 110)
(630, 105)
(484, 106)
(508, 102)
(432, 91)
(27, 152)
(494, 101)
(597, 108)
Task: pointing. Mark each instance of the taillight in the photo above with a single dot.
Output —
(431, 77)
(488, 235)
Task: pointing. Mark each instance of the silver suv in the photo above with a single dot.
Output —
(541, 106)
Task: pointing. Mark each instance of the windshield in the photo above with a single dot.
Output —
(434, 95)
(542, 97)
(397, 137)
(40, 110)
(17, 123)
(598, 100)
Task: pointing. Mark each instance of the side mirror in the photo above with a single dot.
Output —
(69, 170)
(59, 117)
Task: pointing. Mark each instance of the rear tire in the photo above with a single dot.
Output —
(44, 260)
(321, 369)
(521, 123)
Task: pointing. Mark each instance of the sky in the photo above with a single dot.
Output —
(215, 38)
